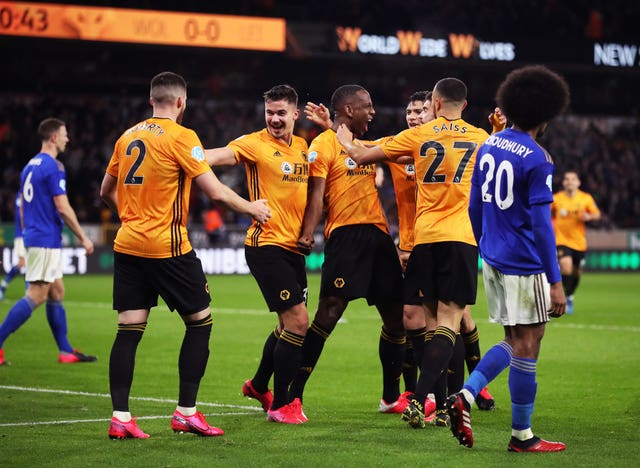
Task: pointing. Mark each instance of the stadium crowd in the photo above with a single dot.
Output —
(603, 150)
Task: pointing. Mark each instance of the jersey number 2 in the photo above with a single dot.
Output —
(132, 178)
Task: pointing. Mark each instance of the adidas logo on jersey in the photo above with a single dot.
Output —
(277, 154)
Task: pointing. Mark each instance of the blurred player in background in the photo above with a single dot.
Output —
(277, 168)
(571, 210)
(44, 209)
(148, 183)
(18, 249)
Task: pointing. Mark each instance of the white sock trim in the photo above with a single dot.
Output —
(124, 416)
(186, 411)
(467, 396)
(524, 434)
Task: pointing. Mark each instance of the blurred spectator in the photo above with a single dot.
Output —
(604, 150)
(213, 225)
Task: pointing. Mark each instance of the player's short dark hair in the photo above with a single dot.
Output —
(48, 127)
(283, 92)
(451, 89)
(166, 86)
(532, 95)
(419, 96)
(343, 94)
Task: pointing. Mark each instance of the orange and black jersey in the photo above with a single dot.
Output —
(154, 162)
(404, 186)
(350, 195)
(444, 152)
(278, 172)
(403, 177)
(567, 218)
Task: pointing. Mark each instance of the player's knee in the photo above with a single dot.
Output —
(296, 319)
(329, 312)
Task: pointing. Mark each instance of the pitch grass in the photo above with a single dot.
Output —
(588, 378)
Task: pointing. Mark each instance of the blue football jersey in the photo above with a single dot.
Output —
(42, 179)
(512, 173)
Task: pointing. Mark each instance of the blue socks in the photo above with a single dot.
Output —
(523, 386)
(57, 317)
(18, 314)
(492, 363)
(12, 273)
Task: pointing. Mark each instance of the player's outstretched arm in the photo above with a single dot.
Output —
(218, 192)
(222, 156)
(312, 213)
(359, 153)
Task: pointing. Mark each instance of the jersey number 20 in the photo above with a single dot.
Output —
(504, 177)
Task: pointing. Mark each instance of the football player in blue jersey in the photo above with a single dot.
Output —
(44, 209)
(510, 213)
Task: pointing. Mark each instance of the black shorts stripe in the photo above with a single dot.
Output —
(540, 300)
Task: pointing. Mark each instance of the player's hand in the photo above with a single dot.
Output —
(88, 246)
(260, 211)
(305, 243)
(498, 120)
(586, 217)
(403, 255)
(318, 114)
(344, 135)
(558, 300)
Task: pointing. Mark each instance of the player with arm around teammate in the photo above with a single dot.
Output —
(148, 182)
(442, 266)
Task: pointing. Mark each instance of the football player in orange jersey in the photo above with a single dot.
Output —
(419, 325)
(443, 263)
(277, 168)
(571, 210)
(403, 178)
(148, 183)
(360, 256)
